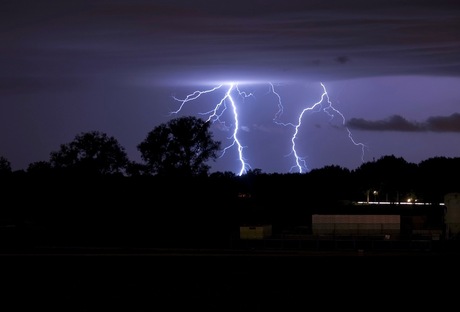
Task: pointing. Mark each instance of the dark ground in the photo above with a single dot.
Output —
(175, 280)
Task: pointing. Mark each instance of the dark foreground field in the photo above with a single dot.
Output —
(200, 280)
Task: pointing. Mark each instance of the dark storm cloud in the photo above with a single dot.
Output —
(444, 123)
(397, 123)
(172, 41)
(393, 123)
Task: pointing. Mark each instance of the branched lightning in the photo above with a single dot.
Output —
(227, 102)
(216, 113)
(300, 162)
(280, 104)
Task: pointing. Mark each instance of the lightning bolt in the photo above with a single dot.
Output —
(330, 110)
(227, 102)
(216, 113)
(280, 104)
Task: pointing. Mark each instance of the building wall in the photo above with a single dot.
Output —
(452, 215)
(359, 225)
(255, 231)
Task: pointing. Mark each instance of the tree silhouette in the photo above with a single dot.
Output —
(91, 153)
(330, 183)
(390, 177)
(40, 168)
(5, 166)
(436, 177)
(181, 146)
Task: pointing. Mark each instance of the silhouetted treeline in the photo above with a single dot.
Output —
(68, 207)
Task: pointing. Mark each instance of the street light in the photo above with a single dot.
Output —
(412, 200)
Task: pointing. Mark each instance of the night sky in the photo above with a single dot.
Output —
(391, 70)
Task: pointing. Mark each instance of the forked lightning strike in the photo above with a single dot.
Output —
(216, 113)
(300, 163)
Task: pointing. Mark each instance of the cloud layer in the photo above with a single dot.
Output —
(398, 123)
(174, 41)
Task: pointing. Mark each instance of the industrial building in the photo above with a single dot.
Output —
(452, 215)
(388, 226)
(383, 220)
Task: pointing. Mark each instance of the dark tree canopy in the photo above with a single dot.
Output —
(5, 165)
(181, 146)
(39, 167)
(91, 152)
(391, 177)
